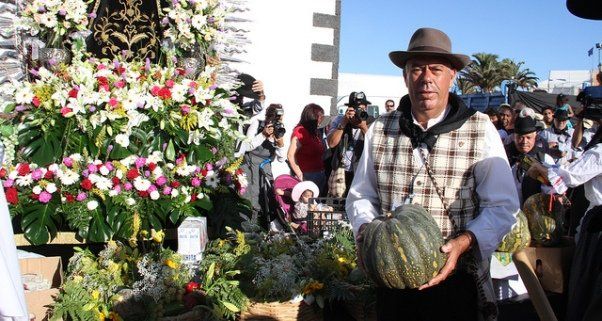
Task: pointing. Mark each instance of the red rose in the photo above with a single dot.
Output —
(70, 198)
(49, 175)
(155, 90)
(103, 83)
(132, 174)
(73, 93)
(115, 181)
(86, 184)
(36, 101)
(23, 169)
(12, 196)
(175, 184)
(165, 93)
(204, 172)
(34, 196)
(191, 286)
(143, 194)
(2, 172)
(192, 198)
(152, 166)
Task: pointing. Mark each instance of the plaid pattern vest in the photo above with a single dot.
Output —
(452, 160)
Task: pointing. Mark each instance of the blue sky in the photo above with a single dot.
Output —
(543, 34)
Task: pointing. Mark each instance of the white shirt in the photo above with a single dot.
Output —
(587, 171)
(254, 139)
(565, 143)
(498, 199)
(547, 160)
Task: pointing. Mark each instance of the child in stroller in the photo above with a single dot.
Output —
(296, 199)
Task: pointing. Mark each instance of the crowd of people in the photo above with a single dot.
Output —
(471, 171)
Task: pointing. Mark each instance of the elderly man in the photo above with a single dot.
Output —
(525, 138)
(436, 152)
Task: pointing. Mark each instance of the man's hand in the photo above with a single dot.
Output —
(258, 88)
(268, 131)
(454, 249)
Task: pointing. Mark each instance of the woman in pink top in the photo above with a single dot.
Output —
(306, 150)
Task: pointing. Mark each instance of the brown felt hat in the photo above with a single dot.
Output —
(429, 42)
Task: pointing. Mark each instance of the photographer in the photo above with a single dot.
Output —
(266, 143)
(346, 136)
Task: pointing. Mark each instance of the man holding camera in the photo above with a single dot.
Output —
(346, 136)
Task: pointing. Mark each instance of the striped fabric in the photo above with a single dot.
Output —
(451, 160)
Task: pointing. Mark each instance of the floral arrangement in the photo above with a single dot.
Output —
(125, 283)
(189, 23)
(54, 20)
(106, 199)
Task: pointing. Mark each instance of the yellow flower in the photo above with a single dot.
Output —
(100, 316)
(95, 294)
(312, 287)
(171, 264)
(158, 236)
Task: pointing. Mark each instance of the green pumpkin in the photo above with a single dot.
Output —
(402, 250)
(519, 237)
(544, 227)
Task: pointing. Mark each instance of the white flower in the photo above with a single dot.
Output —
(24, 181)
(130, 201)
(185, 170)
(53, 168)
(37, 189)
(175, 193)
(123, 140)
(199, 21)
(13, 175)
(154, 195)
(51, 188)
(103, 183)
(141, 184)
(68, 177)
(204, 118)
(211, 179)
(24, 95)
(119, 174)
(104, 170)
(92, 205)
(128, 160)
(48, 19)
(178, 93)
(113, 193)
(76, 157)
(200, 195)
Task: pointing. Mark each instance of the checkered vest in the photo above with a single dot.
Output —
(452, 160)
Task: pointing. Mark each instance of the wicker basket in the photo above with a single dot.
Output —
(329, 212)
(281, 311)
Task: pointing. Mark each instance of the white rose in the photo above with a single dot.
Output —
(175, 193)
(130, 201)
(154, 195)
(113, 193)
(37, 189)
(141, 184)
(51, 188)
(92, 205)
(104, 170)
(123, 140)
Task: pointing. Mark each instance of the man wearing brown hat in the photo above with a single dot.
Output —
(436, 152)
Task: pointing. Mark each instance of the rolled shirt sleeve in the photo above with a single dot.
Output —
(498, 198)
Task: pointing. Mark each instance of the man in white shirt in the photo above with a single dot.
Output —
(436, 152)
(557, 140)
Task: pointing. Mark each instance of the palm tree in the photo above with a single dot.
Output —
(484, 72)
(464, 86)
(524, 78)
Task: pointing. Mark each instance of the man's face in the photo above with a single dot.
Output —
(560, 124)
(548, 116)
(389, 106)
(524, 143)
(428, 80)
(506, 117)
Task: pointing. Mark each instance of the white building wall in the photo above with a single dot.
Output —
(378, 88)
(565, 81)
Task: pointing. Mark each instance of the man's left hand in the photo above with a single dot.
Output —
(454, 249)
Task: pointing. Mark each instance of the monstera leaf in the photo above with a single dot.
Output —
(120, 220)
(42, 147)
(99, 230)
(39, 222)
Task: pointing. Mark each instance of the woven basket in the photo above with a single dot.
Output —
(281, 311)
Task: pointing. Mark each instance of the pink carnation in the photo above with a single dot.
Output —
(68, 161)
(36, 174)
(167, 190)
(196, 182)
(45, 197)
(81, 196)
(161, 180)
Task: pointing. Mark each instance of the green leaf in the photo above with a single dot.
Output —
(210, 272)
(119, 152)
(204, 203)
(230, 306)
(199, 154)
(170, 153)
(39, 222)
(120, 220)
(99, 230)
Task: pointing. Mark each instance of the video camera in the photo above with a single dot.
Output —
(591, 98)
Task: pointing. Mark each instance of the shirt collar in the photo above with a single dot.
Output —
(434, 121)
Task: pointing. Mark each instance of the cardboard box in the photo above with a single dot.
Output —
(192, 239)
(551, 265)
(51, 269)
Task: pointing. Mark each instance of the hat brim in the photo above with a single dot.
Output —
(525, 131)
(400, 58)
(365, 102)
(302, 187)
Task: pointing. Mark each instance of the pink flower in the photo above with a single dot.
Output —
(81, 196)
(66, 111)
(140, 161)
(209, 166)
(119, 84)
(155, 90)
(109, 166)
(169, 83)
(8, 183)
(185, 109)
(45, 197)
(196, 182)
(36, 174)
(161, 180)
(92, 168)
(113, 102)
(117, 189)
(151, 188)
(128, 186)
(68, 161)
(167, 190)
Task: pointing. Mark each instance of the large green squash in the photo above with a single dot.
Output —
(519, 237)
(402, 250)
(545, 227)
